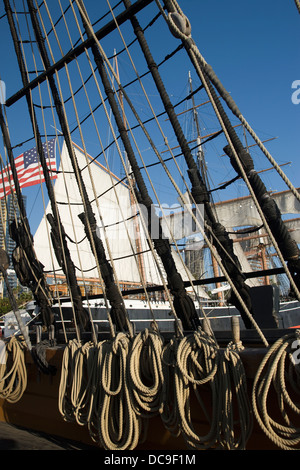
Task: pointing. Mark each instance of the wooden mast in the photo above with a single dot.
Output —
(203, 171)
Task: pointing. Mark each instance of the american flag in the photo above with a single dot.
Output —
(29, 169)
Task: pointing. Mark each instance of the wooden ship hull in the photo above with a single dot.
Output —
(37, 409)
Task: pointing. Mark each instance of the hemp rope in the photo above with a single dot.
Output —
(113, 387)
(277, 370)
(191, 363)
(64, 401)
(120, 427)
(13, 374)
(145, 373)
(234, 372)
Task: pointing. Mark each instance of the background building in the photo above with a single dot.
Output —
(8, 211)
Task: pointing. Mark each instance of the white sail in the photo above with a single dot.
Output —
(242, 211)
(113, 211)
(238, 212)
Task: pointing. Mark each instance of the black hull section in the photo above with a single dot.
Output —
(288, 316)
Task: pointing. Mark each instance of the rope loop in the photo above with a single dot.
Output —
(145, 373)
(13, 373)
(279, 375)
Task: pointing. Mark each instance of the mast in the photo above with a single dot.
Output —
(203, 172)
(200, 153)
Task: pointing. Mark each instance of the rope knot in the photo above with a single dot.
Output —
(120, 342)
(235, 346)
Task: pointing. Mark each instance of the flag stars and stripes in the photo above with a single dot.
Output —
(29, 170)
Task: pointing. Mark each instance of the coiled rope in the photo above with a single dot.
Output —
(120, 427)
(79, 383)
(13, 374)
(234, 382)
(279, 368)
(192, 363)
(146, 373)
(94, 391)
(116, 386)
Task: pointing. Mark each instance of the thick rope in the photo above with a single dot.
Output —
(235, 383)
(146, 373)
(183, 32)
(120, 427)
(94, 392)
(195, 363)
(280, 369)
(13, 374)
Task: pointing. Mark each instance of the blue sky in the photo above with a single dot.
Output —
(254, 49)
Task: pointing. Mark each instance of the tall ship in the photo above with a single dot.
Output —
(163, 315)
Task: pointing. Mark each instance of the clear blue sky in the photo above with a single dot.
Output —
(254, 49)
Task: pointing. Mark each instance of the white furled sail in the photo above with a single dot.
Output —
(242, 211)
(116, 222)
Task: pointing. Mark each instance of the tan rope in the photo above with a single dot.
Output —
(195, 362)
(199, 226)
(281, 370)
(120, 427)
(235, 383)
(13, 374)
(186, 33)
(146, 373)
(94, 391)
(32, 111)
(144, 224)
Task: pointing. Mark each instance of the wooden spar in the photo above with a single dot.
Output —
(223, 155)
(266, 169)
(195, 140)
(190, 109)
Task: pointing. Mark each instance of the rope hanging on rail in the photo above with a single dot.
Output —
(120, 427)
(116, 386)
(13, 373)
(279, 372)
(146, 373)
(195, 363)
